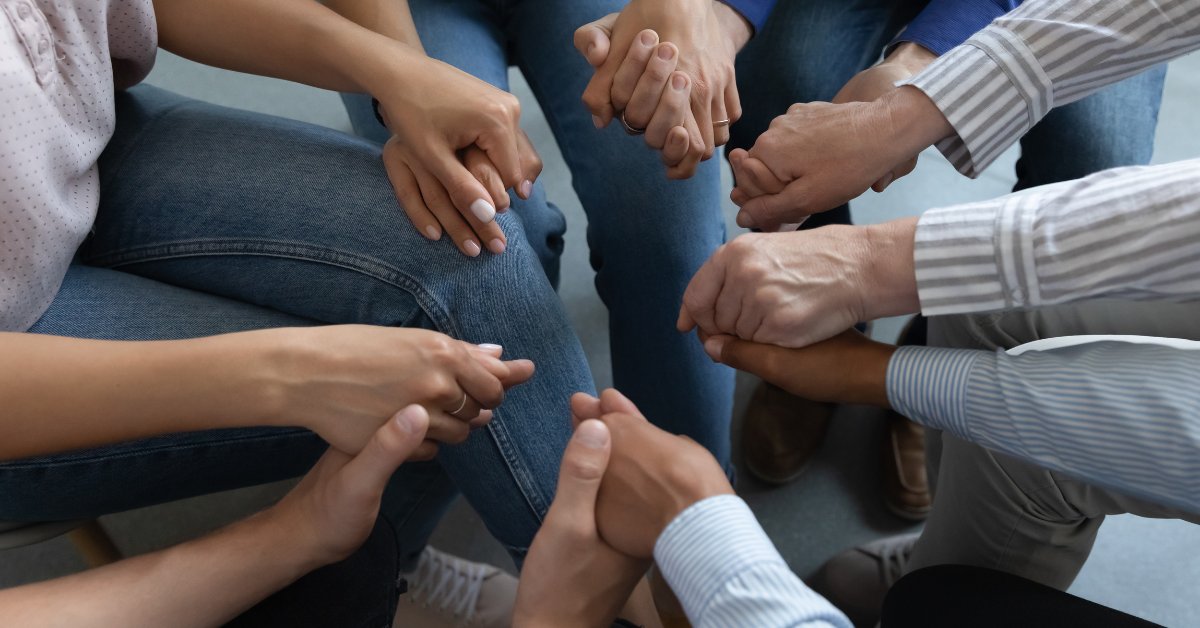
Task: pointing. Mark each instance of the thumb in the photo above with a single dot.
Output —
(391, 445)
(592, 40)
(761, 359)
(583, 467)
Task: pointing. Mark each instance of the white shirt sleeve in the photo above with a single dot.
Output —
(726, 572)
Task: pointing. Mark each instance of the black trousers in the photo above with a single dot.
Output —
(958, 595)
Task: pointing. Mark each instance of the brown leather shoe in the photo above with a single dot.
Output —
(781, 432)
(905, 482)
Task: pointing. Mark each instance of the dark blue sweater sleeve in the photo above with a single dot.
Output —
(755, 11)
(944, 24)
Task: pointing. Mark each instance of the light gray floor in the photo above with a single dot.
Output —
(1149, 568)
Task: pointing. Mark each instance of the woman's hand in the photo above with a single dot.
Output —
(344, 381)
(457, 145)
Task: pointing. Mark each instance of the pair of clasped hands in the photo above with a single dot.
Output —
(665, 68)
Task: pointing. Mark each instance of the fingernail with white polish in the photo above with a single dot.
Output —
(433, 232)
(487, 346)
(496, 246)
(598, 122)
(483, 210)
(526, 188)
(471, 247)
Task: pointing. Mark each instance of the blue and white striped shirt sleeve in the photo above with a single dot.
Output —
(726, 572)
(1121, 416)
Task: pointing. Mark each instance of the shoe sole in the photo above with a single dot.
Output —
(776, 480)
(908, 514)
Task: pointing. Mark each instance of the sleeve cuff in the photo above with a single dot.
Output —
(929, 385)
(943, 24)
(755, 11)
(992, 90)
(708, 545)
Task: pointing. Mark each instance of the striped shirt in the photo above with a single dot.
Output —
(1121, 416)
(1045, 54)
(726, 572)
(1131, 233)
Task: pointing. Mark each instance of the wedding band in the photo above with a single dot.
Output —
(720, 123)
(630, 129)
(460, 406)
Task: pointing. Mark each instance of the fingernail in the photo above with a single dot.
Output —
(744, 220)
(487, 346)
(678, 82)
(592, 434)
(886, 181)
(648, 38)
(433, 232)
(471, 247)
(526, 188)
(588, 54)
(483, 210)
(407, 419)
(666, 53)
(713, 347)
(598, 122)
(496, 246)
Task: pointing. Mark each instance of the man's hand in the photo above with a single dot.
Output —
(652, 476)
(571, 576)
(634, 74)
(797, 288)
(848, 368)
(441, 117)
(332, 510)
(821, 155)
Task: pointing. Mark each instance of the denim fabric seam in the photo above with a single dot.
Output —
(90, 458)
(372, 267)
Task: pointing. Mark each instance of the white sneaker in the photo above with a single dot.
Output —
(448, 591)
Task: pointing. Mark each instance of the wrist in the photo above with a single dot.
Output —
(890, 282)
(915, 121)
(736, 27)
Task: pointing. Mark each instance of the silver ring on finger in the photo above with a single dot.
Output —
(460, 406)
(721, 123)
(629, 128)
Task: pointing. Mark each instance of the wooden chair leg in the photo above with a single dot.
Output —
(94, 544)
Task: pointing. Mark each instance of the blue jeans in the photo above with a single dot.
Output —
(214, 220)
(647, 235)
(810, 48)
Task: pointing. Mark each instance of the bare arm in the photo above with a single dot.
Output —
(64, 393)
(211, 580)
(390, 18)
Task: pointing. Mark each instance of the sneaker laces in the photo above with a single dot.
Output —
(892, 559)
(452, 584)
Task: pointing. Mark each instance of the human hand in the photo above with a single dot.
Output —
(847, 368)
(634, 69)
(457, 145)
(652, 475)
(797, 288)
(821, 155)
(344, 381)
(332, 510)
(571, 576)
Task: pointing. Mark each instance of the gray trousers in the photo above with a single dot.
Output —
(995, 511)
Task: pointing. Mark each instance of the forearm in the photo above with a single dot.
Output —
(391, 18)
(1126, 233)
(1045, 54)
(64, 393)
(299, 41)
(1118, 415)
(205, 582)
